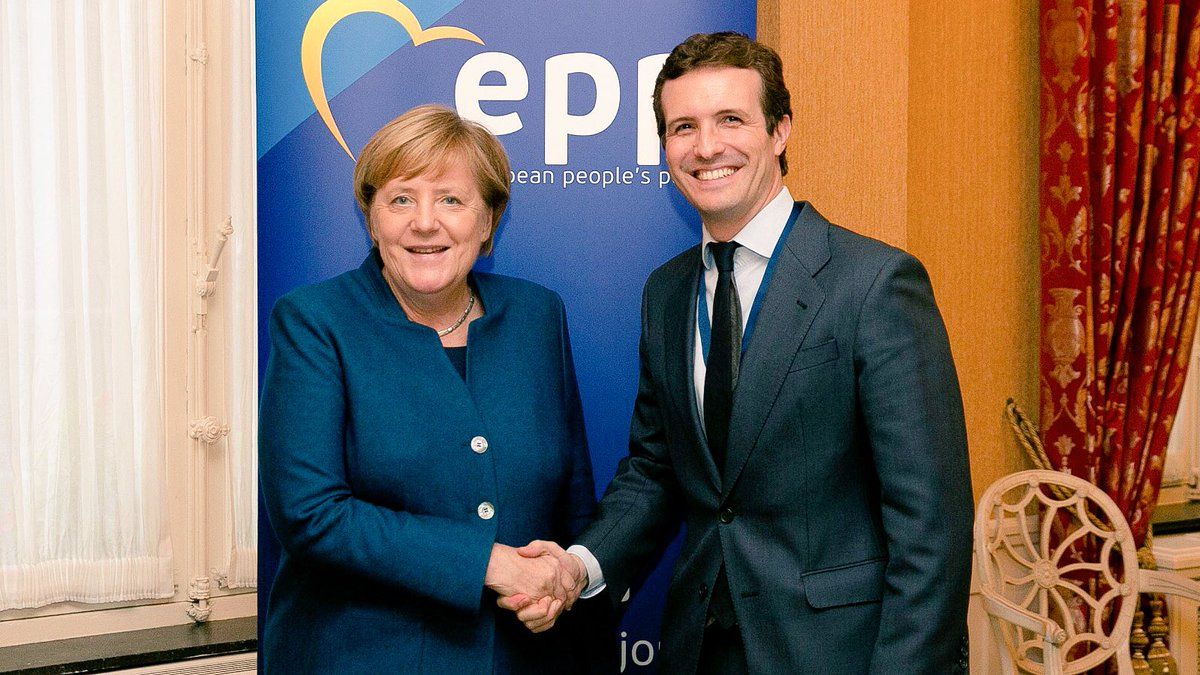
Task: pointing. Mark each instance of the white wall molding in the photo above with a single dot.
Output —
(204, 428)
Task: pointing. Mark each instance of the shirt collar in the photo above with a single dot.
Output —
(762, 232)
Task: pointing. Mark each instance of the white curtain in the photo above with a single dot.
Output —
(240, 282)
(82, 515)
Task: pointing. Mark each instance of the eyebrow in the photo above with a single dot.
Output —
(733, 111)
(676, 120)
(724, 111)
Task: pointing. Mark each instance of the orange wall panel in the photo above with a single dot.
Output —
(846, 68)
(916, 122)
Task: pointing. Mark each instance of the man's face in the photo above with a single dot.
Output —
(717, 147)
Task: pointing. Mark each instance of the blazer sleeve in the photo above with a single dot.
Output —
(312, 506)
(639, 512)
(913, 414)
(579, 503)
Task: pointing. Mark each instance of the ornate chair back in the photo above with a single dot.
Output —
(1057, 568)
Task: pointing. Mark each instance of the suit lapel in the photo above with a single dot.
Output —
(679, 335)
(791, 301)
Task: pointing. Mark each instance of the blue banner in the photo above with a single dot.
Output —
(566, 86)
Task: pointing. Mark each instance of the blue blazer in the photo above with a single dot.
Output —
(377, 459)
(843, 515)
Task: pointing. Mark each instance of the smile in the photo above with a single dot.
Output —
(425, 250)
(714, 174)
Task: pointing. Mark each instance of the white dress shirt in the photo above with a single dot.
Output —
(758, 239)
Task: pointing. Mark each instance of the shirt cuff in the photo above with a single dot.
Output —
(595, 575)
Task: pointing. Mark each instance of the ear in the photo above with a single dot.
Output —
(782, 131)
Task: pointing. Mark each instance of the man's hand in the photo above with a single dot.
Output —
(539, 613)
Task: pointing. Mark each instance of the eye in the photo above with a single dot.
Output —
(400, 200)
(681, 127)
(452, 200)
(731, 119)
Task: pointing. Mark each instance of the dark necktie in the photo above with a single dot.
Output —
(724, 352)
(721, 374)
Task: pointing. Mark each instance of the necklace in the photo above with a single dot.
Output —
(466, 312)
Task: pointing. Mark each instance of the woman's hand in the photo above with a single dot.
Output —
(512, 574)
(539, 613)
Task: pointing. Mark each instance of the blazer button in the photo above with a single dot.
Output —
(703, 591)
(479, 444)
(726, 516)
(486, 510)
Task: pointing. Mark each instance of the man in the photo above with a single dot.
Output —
(797, 410)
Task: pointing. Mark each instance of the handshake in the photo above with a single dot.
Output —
(537, 581)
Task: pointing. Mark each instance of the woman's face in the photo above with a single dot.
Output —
(429, 229)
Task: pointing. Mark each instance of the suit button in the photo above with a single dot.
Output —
(486, 510)
(726, 516)
(479, 444)
(703, 591)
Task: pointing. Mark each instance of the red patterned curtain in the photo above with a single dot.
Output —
(1120, 236)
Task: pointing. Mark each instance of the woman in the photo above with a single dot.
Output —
(418, 420)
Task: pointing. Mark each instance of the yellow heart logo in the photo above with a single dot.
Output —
(312, 45)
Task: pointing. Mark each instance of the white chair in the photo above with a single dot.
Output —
(1058, 573)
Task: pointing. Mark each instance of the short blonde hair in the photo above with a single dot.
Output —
(426, 140)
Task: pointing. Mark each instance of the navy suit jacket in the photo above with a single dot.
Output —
(844, 514)
(373, 483)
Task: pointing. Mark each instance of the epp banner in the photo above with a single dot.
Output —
(566, 86)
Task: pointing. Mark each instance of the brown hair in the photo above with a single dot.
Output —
(729, 50)
(428, 139)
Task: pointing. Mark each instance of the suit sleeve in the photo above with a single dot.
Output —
(639, 512)
(913, 413)
(312, 506)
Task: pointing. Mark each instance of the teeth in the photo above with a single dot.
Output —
(714, 173)
(427, 249)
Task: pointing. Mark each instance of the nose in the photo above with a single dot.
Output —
(425, 218)
(708, 142)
